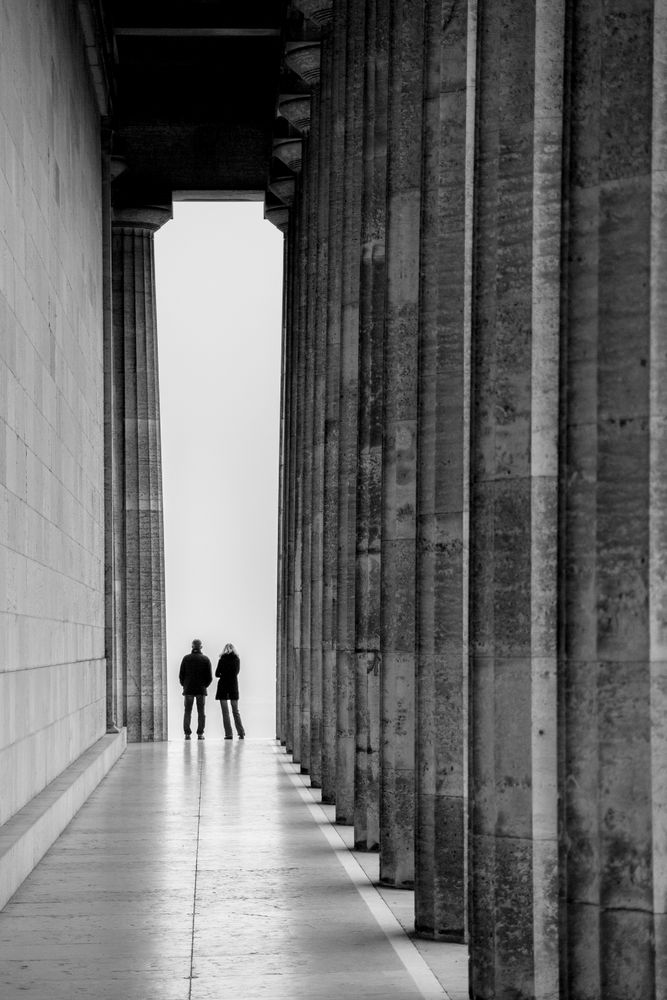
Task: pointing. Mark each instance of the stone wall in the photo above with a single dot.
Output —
(52, 666)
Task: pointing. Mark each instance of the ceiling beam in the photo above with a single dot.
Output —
(199, 32)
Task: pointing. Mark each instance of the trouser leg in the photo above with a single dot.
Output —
(237, 718)
(201, 713)
(225, 717)
(188, 699)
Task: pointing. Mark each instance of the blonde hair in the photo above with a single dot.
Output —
(229, 648)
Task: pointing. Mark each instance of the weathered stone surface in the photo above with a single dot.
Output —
(443, 460)
(514, 503)
(353, 19)
(370, 422)
(337, 52)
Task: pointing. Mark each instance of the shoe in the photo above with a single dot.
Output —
(241, 736)
(187, 736)
(229, 737)
(200, 736)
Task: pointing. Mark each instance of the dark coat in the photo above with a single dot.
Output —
(228, 671)
(195, 674)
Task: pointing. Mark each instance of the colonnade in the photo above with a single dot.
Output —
(472, 624)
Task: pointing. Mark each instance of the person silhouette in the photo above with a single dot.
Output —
(195, 676)
(227, 670)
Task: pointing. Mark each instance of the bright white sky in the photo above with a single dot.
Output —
(219, 297)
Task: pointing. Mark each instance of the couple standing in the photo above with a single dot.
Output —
(195, 676)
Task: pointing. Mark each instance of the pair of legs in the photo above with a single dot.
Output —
(201, 716)
(226, 720)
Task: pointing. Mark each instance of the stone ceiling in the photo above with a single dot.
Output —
(195, 93)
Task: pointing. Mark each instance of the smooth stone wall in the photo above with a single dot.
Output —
(52, 665)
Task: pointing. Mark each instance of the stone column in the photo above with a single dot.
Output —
(514, 501)
(353, 15)
(369, 474)
(301, 747)
(336, 72)
(320, 205)
(399, 519)
(112, 632)
(614, 537)
(292, 679)
(442, 558)
(140, 579)
(281, 610)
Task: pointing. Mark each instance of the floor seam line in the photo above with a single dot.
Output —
(194, 895)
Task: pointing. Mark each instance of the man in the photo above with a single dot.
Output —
(195, 676)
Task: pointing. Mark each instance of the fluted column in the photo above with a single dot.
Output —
(140, 567)
(336, 72)
(442, 558)
(369, 474)
(353, 15)
(283, 523)
(292, 625)
(399, 520)
(514, 501)
(303, 491)
(320, 259)
(113, 621)
(614, 690)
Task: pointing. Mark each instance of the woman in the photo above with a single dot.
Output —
(228, 689)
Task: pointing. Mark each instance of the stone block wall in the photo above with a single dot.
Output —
(52, 666)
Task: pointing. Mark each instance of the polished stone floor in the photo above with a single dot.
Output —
(206, 869)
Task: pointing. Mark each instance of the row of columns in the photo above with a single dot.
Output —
(472, 661)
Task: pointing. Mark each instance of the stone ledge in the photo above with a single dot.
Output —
(27, 836)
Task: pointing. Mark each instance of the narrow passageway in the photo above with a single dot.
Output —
(204, 869)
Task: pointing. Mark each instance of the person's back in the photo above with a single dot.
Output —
(228, 689)
(195, 676)
(196, 672)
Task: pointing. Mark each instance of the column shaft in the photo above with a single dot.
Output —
(369, 474)
(320, 219)
(443, 459)
(304, 411)
(283, 519)
(336, 70)
(614, 682)
(514, 502)
(354, 15)
(140, 586)
(399, 521)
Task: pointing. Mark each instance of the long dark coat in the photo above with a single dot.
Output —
(195, 674)
(228, 671)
